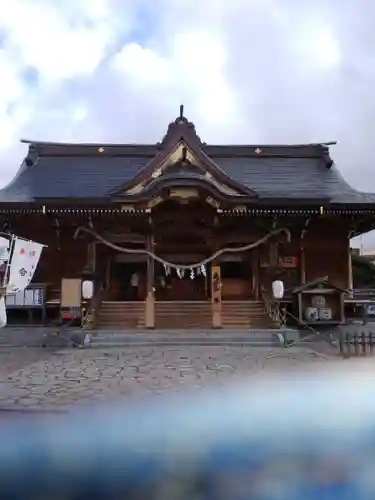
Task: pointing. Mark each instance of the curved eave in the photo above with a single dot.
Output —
(15, 191)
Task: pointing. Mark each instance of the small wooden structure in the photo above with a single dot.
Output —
(320, 302)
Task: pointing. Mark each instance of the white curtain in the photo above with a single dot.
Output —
(3, 313)
(23, 263)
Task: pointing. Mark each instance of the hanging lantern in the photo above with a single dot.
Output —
(203, 270)
(192, 274)
(278, 289)
(87, 289)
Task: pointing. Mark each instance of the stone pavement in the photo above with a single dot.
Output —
(33, 378)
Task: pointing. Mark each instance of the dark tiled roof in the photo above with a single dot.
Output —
(282, 172)
(277, 177)
(66, 177)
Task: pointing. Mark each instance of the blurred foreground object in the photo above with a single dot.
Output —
(301, 436)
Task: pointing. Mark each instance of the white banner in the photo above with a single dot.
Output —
(4, 249)
(23, 263)
(3, 313)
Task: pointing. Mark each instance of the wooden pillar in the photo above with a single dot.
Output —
(350, 269)
(107, 278)
(342, 309)
(255, 273)
(302, 265)
(150, 294)
(91, 256)
(216, 295)
(274, 254)
(300, 306)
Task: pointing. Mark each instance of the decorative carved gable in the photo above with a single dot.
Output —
(182, 157)
(182, 161)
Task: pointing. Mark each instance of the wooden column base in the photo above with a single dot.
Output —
(150, 311)
(216, 315)
(216, 297)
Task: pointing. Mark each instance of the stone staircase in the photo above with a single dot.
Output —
(244, 314)
(183, 315)
(125, 315)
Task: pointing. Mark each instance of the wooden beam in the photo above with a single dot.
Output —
(302, 266)
(150, 297)
(216, 296)
(255, 272)
(350, 269)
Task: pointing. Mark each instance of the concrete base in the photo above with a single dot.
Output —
(188, 337)
(291, 336)
(39, 336)
(75, 337)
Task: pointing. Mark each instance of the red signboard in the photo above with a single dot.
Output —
(288, 262)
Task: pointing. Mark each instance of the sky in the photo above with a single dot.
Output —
(247, 71)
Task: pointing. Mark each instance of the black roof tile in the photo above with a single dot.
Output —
(79, 171)
(66, 177)
(291, 178)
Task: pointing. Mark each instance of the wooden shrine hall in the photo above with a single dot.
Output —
(184, 234)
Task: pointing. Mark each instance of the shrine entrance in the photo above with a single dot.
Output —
(182, 286)
(182, 235)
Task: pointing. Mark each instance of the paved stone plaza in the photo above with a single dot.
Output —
(47, 379)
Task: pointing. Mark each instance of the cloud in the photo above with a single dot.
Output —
(246, 70)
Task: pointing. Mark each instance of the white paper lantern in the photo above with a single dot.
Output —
(278, 289)
(87, 289)
(3, 313)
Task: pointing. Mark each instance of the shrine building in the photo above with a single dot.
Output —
(184, 234)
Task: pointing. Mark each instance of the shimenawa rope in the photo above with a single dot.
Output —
(173, 265)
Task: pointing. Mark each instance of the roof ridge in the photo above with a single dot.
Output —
(86, 144)
(155, 144)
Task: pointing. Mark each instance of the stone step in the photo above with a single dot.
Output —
(180, 337)
(128, 315)
(122, 308)
(184, 315)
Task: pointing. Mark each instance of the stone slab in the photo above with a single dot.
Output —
(71, 377)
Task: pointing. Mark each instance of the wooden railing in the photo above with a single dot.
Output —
(272, 307)
(91, 307)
